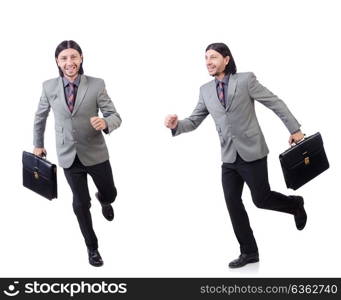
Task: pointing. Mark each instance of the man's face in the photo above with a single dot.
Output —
(69, 61)
(215, 62)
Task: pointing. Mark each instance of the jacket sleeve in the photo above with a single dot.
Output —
(110, 115)
(40, 120)
(261, 94)
(199, 113)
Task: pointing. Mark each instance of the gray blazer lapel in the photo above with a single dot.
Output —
(214, 96)
(61, 95)
(83, 86)
(231, 90)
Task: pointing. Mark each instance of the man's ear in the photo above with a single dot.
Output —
(227, 59)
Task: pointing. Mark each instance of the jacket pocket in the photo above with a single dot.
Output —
(59, 135)
(252, 132)
(59, 128)
(96, 138)
(222, 140)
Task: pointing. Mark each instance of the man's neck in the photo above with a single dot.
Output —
(220, 76)
(71, 79)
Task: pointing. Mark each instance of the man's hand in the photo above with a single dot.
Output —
(98, 123)
(171, 121)
(40, 152)
(296, 137)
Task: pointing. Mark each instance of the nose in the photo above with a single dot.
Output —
(69, 60)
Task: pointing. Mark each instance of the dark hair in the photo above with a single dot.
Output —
(67, 45)
(224, 51)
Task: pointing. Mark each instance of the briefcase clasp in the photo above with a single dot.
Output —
(36, 175)
(306, 160)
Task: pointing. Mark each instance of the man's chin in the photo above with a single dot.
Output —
(71, 75)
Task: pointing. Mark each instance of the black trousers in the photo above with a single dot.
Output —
(255, 174)
(76, 176)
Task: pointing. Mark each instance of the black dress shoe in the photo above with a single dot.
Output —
(95, 258)
(300, 214)
(243, 260)
(107, 210)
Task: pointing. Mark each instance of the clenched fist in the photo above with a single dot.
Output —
(171, 121)
(296, 137)
(98, 123)
(40, 152)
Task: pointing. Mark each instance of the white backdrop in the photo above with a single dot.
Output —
(170, 214)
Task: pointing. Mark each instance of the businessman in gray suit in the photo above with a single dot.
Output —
(230, 99)
(76, 100)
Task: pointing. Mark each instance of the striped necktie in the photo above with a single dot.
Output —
(221, 93)
(71, 96)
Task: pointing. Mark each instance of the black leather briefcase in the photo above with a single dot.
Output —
(39, 175)
(304, 161)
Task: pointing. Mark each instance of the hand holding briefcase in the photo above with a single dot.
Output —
(304, 161)
(39, 175)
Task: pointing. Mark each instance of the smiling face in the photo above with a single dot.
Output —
(69, 61)
(216, 63)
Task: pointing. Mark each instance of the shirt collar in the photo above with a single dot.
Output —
(225, 80)
(76, 82)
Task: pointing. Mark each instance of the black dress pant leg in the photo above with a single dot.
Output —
(255, 175)
(233, 187)
(76, 176)
(102, 176)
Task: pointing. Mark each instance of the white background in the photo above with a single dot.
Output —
(170, 213)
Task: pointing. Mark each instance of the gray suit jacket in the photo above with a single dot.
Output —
(74, 133)
(237, 125)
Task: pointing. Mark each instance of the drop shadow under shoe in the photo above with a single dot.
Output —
(300, 214)
(244, 259)
(95, 258)
(107, 210)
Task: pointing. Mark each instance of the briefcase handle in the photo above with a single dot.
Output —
(44, 155)
(294, 144)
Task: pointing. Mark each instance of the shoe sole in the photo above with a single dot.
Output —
(302, 227)
(109, 219)
(96, 265)
(254, 260)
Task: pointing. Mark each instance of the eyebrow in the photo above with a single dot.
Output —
(65, 56)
